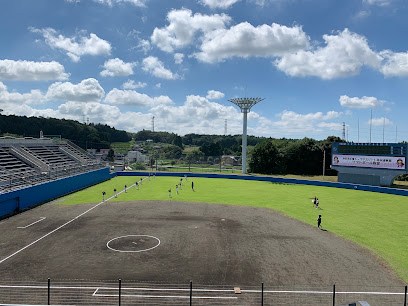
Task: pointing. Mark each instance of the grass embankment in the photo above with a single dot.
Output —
(373, 220)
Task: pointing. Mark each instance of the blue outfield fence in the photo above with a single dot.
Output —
(17, 200)
(387, 190)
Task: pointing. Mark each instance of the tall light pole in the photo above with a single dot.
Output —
(245, 105)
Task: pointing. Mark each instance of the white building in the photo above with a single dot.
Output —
(136, 156)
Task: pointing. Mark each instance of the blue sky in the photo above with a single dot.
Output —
(317, 63)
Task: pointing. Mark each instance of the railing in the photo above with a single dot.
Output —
(78, 148)
(29, 158)
(121, 292)
(73, 155)
(55, 172)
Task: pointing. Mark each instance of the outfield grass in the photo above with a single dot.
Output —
(374, 220)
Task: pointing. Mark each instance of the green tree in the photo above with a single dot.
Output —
(303, 157)
(265, 158)
(111, 155)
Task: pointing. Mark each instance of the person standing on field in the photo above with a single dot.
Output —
(192, 185)
(170, 193)
(176, 188)
(114, 192)
(103, 196)
(319, 222)
(125, 188)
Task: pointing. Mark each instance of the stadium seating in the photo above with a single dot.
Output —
(26, 162)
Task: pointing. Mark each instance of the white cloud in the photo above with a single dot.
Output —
(139, 3)
(158, 85)
(97, 112)
(380, 122)
(178, 58)
(131, 97)
(144, 45)
(75, 46)
(214, 94)
(378, 2)
(11, 99)
(222, 4)
(88, 90)
(130, 84)
(155, 67)
(332, 126)
(245, 40)
(362, 14)
(292, 122)
(31, 71)
(117, 67)
(364, 102)
(195, 114)
(343, 56)
(183, 26)
(396, 64)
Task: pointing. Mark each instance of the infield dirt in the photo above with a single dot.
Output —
(207, 243)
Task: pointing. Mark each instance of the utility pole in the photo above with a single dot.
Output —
(371, 122)
(358, 130)
(153, 124)
(324, 161)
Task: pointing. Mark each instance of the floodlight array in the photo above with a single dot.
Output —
(245, 104)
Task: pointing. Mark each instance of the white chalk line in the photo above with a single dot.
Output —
(107, 244)
(53, 231)
(160, 296)
(42, 218)
(168, 296)
(97, 288)
(324, 292)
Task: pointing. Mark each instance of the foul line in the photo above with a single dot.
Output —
(42, 218)
(53, 231)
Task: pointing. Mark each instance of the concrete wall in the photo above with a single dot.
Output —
(21, 199)
(367, 176)
(276, 180)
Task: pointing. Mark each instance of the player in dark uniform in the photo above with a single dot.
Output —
(319, 222)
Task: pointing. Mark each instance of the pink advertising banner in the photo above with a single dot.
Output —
(383, 162)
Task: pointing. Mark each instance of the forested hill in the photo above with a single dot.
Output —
(95, 136)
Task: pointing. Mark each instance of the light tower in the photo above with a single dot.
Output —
(245, 105)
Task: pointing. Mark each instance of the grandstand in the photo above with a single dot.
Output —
(30, 161)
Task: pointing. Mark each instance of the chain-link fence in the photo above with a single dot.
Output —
(120, 292)
(189, 163)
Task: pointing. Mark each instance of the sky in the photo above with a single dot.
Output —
(316, 63)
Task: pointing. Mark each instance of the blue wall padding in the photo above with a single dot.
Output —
(8, 206)
(36, 194)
